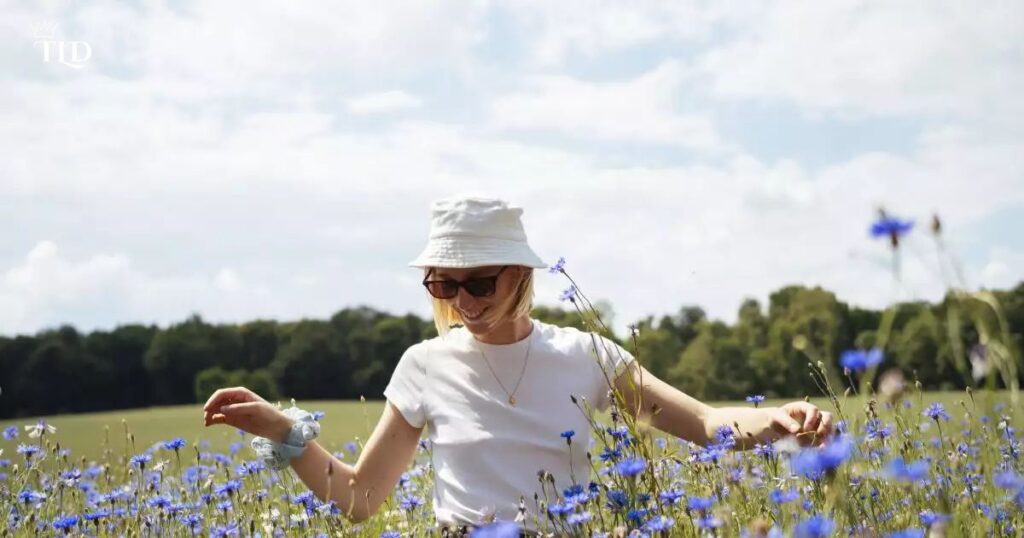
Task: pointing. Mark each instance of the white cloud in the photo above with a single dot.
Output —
(203, 163)
(383, 102)
(946, 59)
(640, 110)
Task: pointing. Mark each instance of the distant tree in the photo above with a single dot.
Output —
(181, 351)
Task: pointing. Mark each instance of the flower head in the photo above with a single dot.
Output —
(755, 399)
(569, 294)
(498, 529)
(11, 433)
(891, 227)
(558, 267)
(935, 411)
(816, 526)
(174, 444)
(631, 466)
(39, 428)
(858, 360)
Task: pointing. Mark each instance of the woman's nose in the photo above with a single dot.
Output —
(464, 300)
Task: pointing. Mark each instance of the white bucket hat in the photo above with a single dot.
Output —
(471, 231)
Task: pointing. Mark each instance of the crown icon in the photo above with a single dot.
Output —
(44, 30)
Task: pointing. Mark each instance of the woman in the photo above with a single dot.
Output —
(496, 387)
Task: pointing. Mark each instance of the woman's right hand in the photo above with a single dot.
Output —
(246, 410)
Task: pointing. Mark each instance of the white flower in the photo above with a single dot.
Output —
(37, 429)
(160, 465)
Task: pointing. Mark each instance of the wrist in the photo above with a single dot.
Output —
(282, 429)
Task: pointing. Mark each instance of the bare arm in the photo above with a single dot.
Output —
(673, 411)
(359, 490)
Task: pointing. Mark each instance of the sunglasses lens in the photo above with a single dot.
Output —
(480, 287)
(443, 289)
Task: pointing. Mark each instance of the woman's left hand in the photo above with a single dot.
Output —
(815, 425)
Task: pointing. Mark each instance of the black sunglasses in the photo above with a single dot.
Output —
(481, 286)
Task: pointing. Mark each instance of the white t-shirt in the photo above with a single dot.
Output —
(487, 453)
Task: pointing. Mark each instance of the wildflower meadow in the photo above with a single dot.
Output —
(901, 463)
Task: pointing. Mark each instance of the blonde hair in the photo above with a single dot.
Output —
(518, 303)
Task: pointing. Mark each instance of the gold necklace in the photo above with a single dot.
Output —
(511, 395)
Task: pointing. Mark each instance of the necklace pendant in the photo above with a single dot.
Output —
(512, 400)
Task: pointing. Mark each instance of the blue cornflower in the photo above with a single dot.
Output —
(891, 227)
(561, 509)
(225, 505)
(31, 497)
(352, 447)
(637, 514)
(567, 435)
(390, 534)
(755, 399)
(141, 460)
(765, 450)
(935, 411)
(929, 518)
(498, 529)
(778, 496)
(28, 450)
(1008, 480)
(670, 496)
(306, 498)
(410, 503)
(226, 530)
(610, 454)
(617, 498)
(725, 436)
(578, 518)
(859, 360)
(874, 429)
(64, 523)
(903, 472)
(317, 415)
(813, 463)
(228, 487)
(11, 433)
(175, 444)
(192, 520)
(659, 523)
(708, 521)
(99, 514)
(816, 526)
(558, 267)
(569, 294)
(700, 503)
(631, 466)
(159, 501)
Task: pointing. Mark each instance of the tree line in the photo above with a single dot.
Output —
(352, 354)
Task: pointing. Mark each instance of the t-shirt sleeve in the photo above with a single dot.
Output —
(405, 390)
(613, 360)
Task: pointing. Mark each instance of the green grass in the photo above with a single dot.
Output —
(85, 434)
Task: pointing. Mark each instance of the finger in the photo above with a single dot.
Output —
(239, 409)
(811, 418)
(216, 418)
(825, 426)
(223, 396)
(785, 422)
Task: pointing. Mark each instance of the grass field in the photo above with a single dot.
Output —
(345, 421)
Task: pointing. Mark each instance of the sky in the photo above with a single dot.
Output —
(243, 160)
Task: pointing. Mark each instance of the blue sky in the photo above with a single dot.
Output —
(242, 161)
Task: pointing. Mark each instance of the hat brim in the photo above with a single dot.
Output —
(462, 252)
